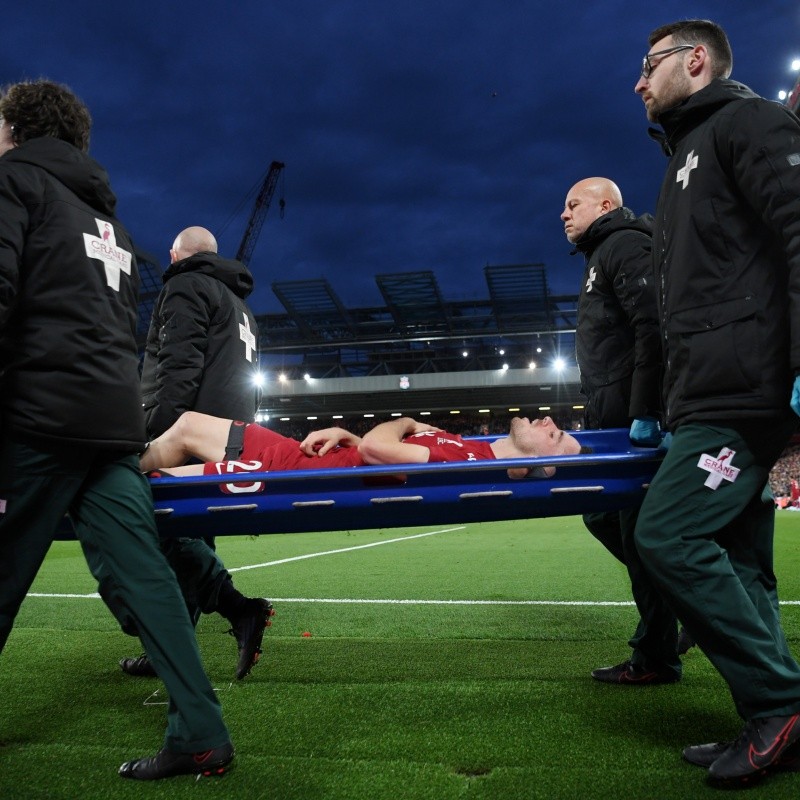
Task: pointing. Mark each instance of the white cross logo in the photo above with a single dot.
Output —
(685, 171)
(592, 279)
(718, 468)
(104, 247)
(246, 335)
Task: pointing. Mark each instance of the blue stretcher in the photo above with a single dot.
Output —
(615, 475)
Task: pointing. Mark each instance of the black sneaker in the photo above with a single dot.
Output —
(166, 764)
(704, 755)
(140, 666)
(685, 642)
(249, 631)
(629, 675)
(758, 748)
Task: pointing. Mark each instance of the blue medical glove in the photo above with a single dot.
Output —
(795, 401)
(666, 441)
(645, 432)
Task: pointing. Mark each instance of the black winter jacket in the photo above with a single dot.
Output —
(68, 303)
(617, 339)
(201, 353)
(727, 255)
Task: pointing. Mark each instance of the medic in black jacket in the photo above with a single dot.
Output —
(71, 421)
(619, 357)
(727, 259)
(202, 356)
(201, 352)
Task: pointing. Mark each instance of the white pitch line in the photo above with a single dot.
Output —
(346, 549)
(411, 602)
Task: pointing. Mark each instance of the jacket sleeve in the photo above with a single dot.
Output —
(764, 156)
(186, 312)
(634, 286)
(13, 225)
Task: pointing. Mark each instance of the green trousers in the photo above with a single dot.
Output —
(110, 505)
(655, 641)
(199, 571)
(705, 534)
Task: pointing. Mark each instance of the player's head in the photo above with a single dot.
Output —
(541, 437)
(31, 109)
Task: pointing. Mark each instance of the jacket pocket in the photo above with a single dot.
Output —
(717, 349)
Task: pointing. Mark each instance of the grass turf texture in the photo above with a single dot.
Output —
(384, 700)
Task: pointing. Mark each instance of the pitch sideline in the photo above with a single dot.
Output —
(407, 601)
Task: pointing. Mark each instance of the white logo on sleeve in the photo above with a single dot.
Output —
(104, 247)
(719, 469)
(685, 172)
(592, 279)
(247, 336)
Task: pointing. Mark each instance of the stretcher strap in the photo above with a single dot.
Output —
(235, 441)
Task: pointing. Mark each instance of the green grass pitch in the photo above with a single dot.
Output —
(453, 664)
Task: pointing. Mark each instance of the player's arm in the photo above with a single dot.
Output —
(317, 443)
(384, 443)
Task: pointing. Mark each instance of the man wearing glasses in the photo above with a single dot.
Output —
(726, 250)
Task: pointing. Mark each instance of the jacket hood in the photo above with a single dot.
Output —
(80, 173)
(233, 274)
(620, 219)
(680, 119)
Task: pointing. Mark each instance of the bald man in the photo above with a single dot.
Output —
(201, 355)
(619, 357)
(191, 241)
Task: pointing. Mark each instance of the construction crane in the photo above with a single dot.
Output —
(259, 212)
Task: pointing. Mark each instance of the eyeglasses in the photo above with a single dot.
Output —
(648, 66)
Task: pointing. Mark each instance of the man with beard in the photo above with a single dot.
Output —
(726, 254)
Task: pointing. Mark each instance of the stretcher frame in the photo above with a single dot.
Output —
(614, 475)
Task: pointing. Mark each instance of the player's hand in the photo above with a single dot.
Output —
(317, 443)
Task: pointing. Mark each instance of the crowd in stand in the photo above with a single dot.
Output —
(786, 469)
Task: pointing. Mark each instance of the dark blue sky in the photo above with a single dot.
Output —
(416, 135)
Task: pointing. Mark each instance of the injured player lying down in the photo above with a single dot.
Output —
(219, 442)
